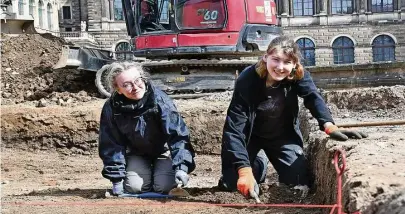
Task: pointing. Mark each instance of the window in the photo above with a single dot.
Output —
(49, 13)
(118, 13)
(378, 6)
(303, 7)
(21, 7)
(40, 13)
(307, 48)
(343, 50)
(123, 51)
(66, 12)
(163, 11)
(383, 49)
(68, 29)
(31, 7)
(210, 14)
(342, 6)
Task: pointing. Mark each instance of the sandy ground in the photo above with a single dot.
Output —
(48, 182)
(50, 163)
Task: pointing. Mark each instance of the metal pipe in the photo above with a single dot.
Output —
(377, 123)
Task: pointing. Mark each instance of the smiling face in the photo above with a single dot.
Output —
(279, 65)
(130, 84)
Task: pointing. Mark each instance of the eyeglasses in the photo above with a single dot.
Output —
(129, 85)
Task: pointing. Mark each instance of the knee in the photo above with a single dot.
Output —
(164, 186)
(296, 174)
(261, 156)
(133, 184)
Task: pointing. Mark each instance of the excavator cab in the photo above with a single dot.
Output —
(180, 28)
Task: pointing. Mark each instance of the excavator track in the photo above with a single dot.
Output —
(196, 76)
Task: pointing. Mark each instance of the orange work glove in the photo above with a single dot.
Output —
(246, 182)
(343, 134)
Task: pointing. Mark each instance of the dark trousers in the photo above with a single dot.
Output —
(286, 156)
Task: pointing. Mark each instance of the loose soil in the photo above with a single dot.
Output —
(49, 130)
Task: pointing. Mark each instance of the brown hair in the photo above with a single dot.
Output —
(290, 49)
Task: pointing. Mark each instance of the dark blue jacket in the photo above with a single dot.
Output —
(148, 128)
(248, 93)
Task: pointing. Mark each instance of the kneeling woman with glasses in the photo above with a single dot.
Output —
(143, 140)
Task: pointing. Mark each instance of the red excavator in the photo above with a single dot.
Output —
(189, 46)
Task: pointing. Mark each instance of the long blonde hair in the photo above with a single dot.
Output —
(290, 49)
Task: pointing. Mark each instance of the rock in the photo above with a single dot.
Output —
(82, 93)
(60, 101)
(5, 182)
(7, 69)
(27, 94)
(42, 103)
(6, 95)
(108, 194)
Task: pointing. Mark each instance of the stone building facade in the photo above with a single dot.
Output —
(328, 31)
(43, 14)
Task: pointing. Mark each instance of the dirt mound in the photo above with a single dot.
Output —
(367, 98)
(27, 73)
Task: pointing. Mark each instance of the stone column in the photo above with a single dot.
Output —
(323, 12)
(323, 6)
(362, 6)
(286, 12)
(111, 9)
(94, 15)
(104, 9)
(286, 8)
(401, 9)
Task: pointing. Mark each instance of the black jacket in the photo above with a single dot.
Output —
(249, 92)
(148, 128)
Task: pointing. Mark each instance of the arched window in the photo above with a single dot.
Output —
(383, 48)
(49, 13)
(343, 50)
(123, 51)
(40, 13)
(118, 13)
(342, 6)
(31, 7)
(303, 7)
(307, 48)
(21, 7)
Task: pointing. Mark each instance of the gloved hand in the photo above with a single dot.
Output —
(118, 188)
(247, 184)
(181, 177)
(343, 134)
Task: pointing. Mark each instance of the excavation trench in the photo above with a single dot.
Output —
(49, 133)
(73, 131)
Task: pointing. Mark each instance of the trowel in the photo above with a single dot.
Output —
(254, 195)
(179, 192)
